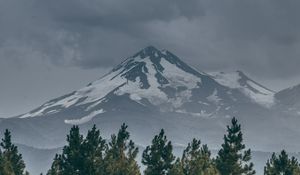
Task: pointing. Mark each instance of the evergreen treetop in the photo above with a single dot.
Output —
(196, 160)
(282, 165)
(232, 158)
(12, 161)
(158, 158)
(121, 154)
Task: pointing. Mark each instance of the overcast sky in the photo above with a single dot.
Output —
(51, 47)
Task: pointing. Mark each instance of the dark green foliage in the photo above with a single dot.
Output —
(80, 156)
(196, 160)
(56, 167)
(177, 168)
(120, 157)
(158, 158)
(233, 159)
(72, 157)
(282, 165)
(5, 166)
(11, 161)
(92, 156)
(93, 148)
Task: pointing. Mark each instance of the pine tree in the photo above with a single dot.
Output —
(93, 149)
(12, 161)
(2, 162)
(72, 156)
(232, 159)
(282, 165)
(80, 156)
(56, 167)
(120, 157)
(158, 158)
(197, 160)
(177, 168)
(5, 166)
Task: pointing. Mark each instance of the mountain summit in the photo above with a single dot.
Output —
(157, 80)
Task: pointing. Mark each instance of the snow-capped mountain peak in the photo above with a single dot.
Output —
(150, 74)
(158, 80)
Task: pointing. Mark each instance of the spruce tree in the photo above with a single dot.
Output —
(12, 161)
(177, 168)
(72, 157)
(5, 166)
(81, 156)
(282, 165)
(196, 160)
(158, 158)
(2, 162)
(56, 167)
(233, 159)
(120, 157)
(93, 149)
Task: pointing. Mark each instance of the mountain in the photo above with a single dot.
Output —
(155, 89)
(157, 81)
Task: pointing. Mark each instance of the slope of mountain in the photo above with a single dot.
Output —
(289, 100)
(155, 89)
(255, 91)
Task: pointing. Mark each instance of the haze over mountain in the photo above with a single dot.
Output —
(155, 89)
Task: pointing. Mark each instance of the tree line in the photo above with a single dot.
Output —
(93, 155)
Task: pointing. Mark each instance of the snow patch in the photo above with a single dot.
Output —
(135, 97)
(84, 119)
(153, 93)
(214, 97)
(227, 108)
(202, 113)
(178, 77)
(203, 103)
(230, 80)
(264, 97)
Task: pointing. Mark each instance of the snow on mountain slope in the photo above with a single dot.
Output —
(238, 80)
(143, 76)
(289, 100)
(84, 119)
(289, 96)
(159, 79)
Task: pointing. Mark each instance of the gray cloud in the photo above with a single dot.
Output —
(45, 43)
(260, 37)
